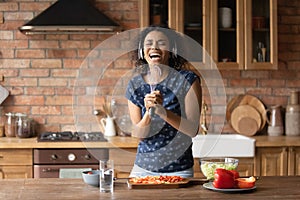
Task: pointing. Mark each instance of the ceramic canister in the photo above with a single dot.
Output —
(225, 17)
(292, 116)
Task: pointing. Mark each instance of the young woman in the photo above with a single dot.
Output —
(164, 103)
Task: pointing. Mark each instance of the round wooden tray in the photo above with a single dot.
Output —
(247, 100)
(246, 120)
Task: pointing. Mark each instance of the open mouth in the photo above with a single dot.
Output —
(155, 56)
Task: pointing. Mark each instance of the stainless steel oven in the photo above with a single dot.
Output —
(50, 162)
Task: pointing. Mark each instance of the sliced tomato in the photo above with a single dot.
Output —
(245, 182)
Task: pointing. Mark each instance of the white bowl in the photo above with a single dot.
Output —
(91, 177)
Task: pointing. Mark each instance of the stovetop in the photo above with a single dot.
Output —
(68, 136)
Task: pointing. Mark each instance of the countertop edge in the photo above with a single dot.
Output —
(130, 142)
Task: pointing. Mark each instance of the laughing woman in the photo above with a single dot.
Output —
(164, 102)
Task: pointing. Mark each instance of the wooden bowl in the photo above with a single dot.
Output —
(246, 120)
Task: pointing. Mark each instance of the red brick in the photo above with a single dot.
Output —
(40, 44)
(8, 6)
(46, 63)
(25, 82)
(46, 110)
(34, 6)
(272, 83)
(35, 53)
(59, 100)
(11, 44)
(29, 100)
(60, 120)
(6, 35)
(46, 91)
(54, 82)
(75, 44)
(34, 72)
(64, 73)
(61, 53)
(243, 82)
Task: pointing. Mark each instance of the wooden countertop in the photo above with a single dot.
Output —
(113, 142)
(276, 141)
(129, 142)
(286, 187)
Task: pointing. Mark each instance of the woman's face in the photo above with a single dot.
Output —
(156, 48)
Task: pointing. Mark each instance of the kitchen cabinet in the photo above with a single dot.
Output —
(277, 161)
(15, 163)
(294, 161)
(123, 161)
(247, 42)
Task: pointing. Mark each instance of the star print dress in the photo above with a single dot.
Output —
(165, 149)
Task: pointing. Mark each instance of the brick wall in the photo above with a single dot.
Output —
(40, 71)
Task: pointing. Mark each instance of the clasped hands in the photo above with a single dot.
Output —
(154, 99)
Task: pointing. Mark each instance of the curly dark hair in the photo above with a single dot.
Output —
(175, 61)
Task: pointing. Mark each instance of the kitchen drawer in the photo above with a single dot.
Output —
(13, 172)
(15, 157)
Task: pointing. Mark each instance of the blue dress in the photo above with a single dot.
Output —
(165, 149)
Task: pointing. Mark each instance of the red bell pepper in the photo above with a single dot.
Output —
(246, 182)
(224, 179)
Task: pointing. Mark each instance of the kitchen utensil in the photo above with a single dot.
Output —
(109, 126)
(154, 75)
(247, 100)
(274, 120)
(3, 94)
(246, 120)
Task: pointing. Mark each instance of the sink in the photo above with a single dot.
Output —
(223, 145)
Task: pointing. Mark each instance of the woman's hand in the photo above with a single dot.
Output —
(153, 99)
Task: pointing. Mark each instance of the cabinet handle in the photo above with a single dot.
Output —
(49, 170)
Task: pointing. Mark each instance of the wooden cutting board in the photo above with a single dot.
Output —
(246, 120)
(247, 100)
(184, 183)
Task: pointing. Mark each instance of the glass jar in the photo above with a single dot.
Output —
(2, 121)
(22, 127)
(10, 125)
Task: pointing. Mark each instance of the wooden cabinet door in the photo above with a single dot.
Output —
(294, 161)
(14, 172)
(271, 161)
(16, 163)
(246, 166)
(123, 161)
(227, 42)
(261, 34)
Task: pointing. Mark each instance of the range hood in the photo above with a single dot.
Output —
(70, 16)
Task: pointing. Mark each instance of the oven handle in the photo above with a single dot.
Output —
(50, 170)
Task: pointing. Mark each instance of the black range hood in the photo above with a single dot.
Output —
(69, 17)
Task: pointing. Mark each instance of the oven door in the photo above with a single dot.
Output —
(61, 171)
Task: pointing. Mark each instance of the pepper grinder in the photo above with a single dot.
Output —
(292, 115)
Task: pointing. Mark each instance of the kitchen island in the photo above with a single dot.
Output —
(271, 187)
